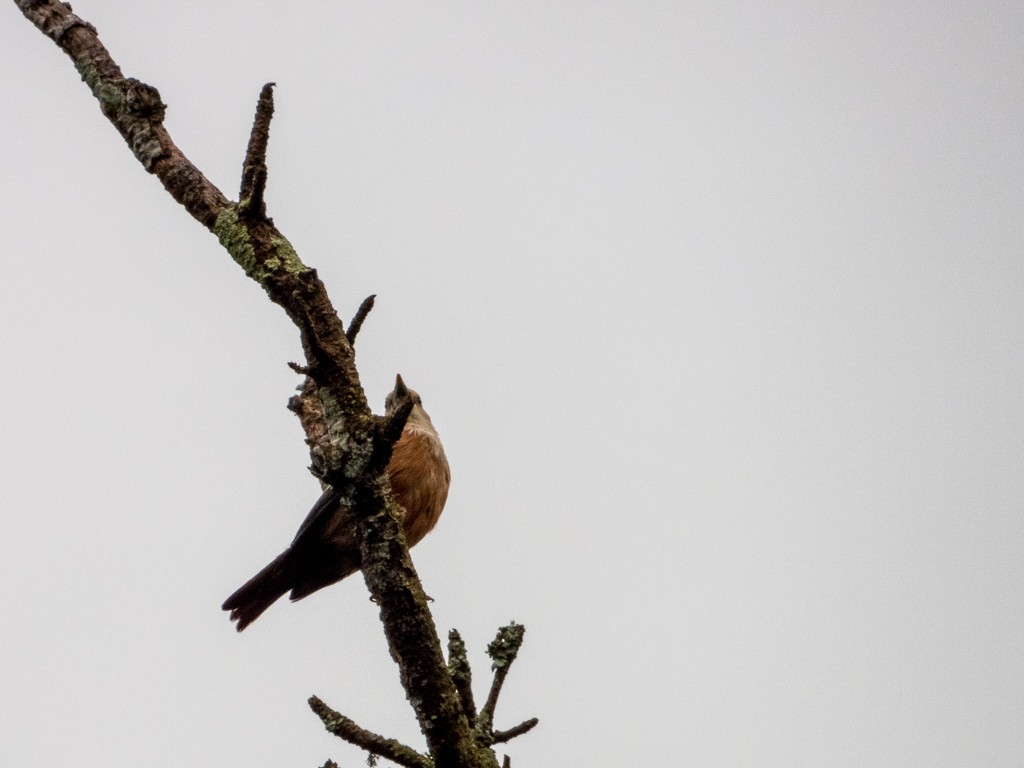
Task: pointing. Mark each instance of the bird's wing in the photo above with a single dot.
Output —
(321, 512)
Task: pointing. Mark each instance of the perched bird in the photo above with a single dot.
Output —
(324, 550)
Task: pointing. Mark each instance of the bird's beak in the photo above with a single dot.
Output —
(400, 389)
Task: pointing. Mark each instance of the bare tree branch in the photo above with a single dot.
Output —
(352, 451)
(134, 108)
(254, 169)
(458, 667)
(502, 650)
(500, 737)
(349, 446)
(345, 728)
(360, 316)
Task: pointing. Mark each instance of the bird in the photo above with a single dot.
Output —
(324, 550)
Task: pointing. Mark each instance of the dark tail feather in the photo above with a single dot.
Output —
(259, 592)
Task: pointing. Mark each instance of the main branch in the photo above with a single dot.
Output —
(352, 448)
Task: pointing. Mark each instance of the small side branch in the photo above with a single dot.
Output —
(500, 737)
(391, 749)
(360, 316)
(503, 652)
(462, 675)
(254, 169)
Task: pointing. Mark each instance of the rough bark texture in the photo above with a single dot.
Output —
(350, 447)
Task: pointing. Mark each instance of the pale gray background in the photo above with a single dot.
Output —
(718, 308)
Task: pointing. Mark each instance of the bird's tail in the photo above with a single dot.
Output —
(259, 593)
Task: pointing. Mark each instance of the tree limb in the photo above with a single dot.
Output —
(350, 451)
(360, 316)
(459, 669)
(500, 737)
(254, 169)
(345, 728)
(503, 651)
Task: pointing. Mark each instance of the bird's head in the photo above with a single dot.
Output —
(399, 395)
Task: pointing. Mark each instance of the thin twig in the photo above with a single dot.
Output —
(500, 737)
(462, 675)
(503, 652)
(254, 169)
(346, 729)
(360, 316)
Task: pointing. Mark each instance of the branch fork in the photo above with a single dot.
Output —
(503, 651)
(349, 447)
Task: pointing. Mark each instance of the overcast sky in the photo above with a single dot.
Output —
(718, 307)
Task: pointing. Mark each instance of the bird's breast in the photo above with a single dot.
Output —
(420, 477)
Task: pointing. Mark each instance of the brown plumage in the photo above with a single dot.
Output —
(324, 550)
